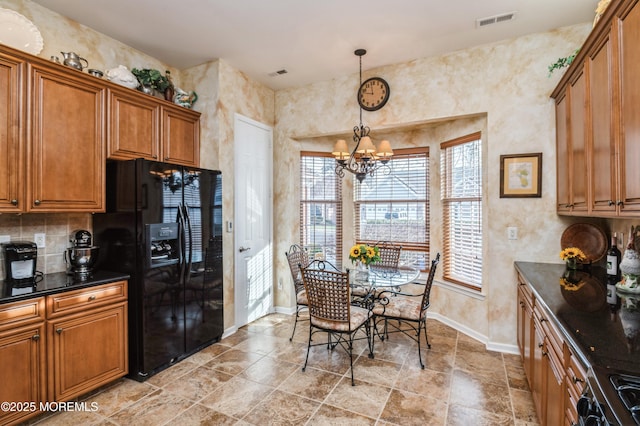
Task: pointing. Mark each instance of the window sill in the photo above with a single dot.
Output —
(479, 295)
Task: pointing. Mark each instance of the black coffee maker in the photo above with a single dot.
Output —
(20, 259)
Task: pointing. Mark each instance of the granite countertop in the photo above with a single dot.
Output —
(55, 283)
(602, 336)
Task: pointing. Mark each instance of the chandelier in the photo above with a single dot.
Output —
(364, 159)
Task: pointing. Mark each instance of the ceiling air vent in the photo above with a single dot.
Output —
(483, 22)
(277, 73)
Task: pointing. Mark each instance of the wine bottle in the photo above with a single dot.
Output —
(613, 260)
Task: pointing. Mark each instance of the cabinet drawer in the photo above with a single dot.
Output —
(549, 329)
(80, 300)
(21, 313)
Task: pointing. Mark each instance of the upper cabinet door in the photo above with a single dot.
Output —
(603, 134)
(66, 150)
(629, 150)
(11, 134)
(578, 137)
(134, 126)
(563, 157)
(180, 136)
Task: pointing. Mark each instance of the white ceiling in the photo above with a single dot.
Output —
(313, 40)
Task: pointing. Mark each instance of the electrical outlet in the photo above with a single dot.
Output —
(512, 233)
(40, 240)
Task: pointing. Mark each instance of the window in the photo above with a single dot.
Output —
(393, 205)
(321, 206)
(461, 188)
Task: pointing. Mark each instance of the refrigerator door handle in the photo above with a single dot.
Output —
(189, 259)
(182, 242)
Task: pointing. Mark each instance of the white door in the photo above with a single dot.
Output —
(253, 212)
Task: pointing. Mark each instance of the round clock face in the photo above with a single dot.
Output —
(373, 94)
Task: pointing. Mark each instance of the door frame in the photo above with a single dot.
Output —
(238, 121)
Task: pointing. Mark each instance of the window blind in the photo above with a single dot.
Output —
(393, 205)
(461, 189)
(320, 206)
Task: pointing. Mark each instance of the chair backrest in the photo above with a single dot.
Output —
(427, 287)
(296, 256)
(328, 292)
(389, 254)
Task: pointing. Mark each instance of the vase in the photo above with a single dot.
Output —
(572, 264)
(362, 271)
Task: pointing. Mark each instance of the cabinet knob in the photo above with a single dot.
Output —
(576, 380)
(92, 298)
(166, 158)
(14, 202)
(540, 345)
(36, 202)
(59, 330)
(543, 320)
(544, 353)
(620, 203)
(611, 202)
(522, 304)
(154, 156)
(35, 337)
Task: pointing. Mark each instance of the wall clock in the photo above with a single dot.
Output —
(373, 94)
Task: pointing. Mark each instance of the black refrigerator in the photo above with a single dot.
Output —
(163, 227)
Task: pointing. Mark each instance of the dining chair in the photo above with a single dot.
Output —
(389, 254)
(296, 256)
(330, 309)
(410, 309)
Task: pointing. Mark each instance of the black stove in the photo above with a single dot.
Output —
(628, 389)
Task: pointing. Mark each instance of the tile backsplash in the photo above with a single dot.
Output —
(57, 228)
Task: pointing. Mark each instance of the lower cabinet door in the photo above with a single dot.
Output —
(86, 350)
(22, 375)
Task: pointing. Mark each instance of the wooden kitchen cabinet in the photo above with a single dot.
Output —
(563, 149)
(134, 126)
(180, 136)
(22, 354)
(87, 333)
(577, 136)
(65, 156)
(525, 327)
(601, 137)
(628, 22)
(542, 351)
(141, 126)
(11, 133)
(575, 381)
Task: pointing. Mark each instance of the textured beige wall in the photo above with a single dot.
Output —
(506, 85)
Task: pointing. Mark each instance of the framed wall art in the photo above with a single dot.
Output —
(521, 175)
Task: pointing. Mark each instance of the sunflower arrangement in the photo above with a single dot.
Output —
(573, 253)
(364, 253)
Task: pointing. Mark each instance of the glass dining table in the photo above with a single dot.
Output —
(365, 287)
(384, 277)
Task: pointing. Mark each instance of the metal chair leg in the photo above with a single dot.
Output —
(308, 349)
(419, 349)
(425, 334)
(353, 383)
(295, 324)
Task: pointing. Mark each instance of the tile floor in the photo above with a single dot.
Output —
(254, 377)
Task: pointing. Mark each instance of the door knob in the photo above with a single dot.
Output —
(243, 249)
